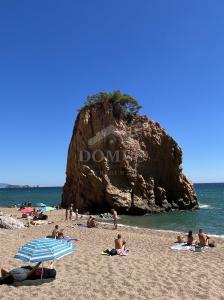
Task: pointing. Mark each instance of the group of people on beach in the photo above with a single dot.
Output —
(204, 239)
(38, 215)
(28, 272)
(69, 213)
(91, 222)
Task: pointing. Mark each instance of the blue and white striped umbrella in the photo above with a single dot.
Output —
(44, 249)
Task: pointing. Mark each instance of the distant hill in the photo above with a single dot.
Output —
(14, 186)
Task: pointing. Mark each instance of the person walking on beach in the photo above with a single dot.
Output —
(115, 217)
(76, 214)
(66, 214)
(70, 211)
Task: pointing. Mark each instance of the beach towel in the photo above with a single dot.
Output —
(181, 247)
(10, 223)
(69, 239)
(112, 252)
(122, 252)
(81, 225)
(104, 253)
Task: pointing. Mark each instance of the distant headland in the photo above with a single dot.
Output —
(16, 186)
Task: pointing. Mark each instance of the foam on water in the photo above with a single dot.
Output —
(204, 206)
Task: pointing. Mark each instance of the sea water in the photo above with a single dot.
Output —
(209, 217)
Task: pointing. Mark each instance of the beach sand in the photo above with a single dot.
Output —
(151, 270)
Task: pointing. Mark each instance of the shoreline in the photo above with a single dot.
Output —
(160, 230)
(103, 221)
(120, 225)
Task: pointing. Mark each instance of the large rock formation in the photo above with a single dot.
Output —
(122, 162)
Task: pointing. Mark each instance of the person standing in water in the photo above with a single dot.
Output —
(115, 217)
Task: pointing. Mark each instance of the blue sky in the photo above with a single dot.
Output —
(167, 54)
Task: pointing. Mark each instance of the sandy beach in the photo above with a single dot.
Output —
(151, 270)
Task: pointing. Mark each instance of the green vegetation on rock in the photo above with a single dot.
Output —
(129, 105)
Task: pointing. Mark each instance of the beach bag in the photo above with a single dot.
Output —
(113, 252)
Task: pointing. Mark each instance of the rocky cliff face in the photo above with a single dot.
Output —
(130, 164)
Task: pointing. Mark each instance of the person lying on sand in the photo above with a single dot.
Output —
(56, 233)
(17, 274)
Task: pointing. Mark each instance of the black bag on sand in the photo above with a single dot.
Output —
(113, 252)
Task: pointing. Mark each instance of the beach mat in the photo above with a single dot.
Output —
(69, 239)
(181, 247)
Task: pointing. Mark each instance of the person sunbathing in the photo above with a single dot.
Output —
(203, 238)
(119, 243)
(89, 222)
(42, 216)
(35, 214)
(179, 239)
(56, 233)
(93, 223)
(119, 248)
(190, 238)
(17, 274)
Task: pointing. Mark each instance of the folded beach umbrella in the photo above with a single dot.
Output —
(26, 210)
(44, 249)
(47, 208)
